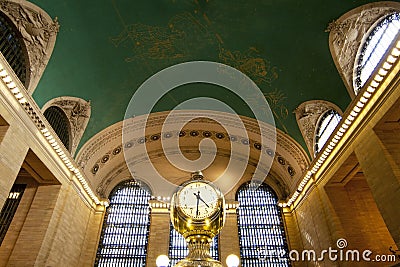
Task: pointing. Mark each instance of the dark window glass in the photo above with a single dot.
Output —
(125, 232)
(261, 231)
(11, 46)
(60, 124)
(9, 208)
(178, 249)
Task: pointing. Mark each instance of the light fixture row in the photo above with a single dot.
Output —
(159, 204)
(346, 123)
(50, 136)
(232, 206)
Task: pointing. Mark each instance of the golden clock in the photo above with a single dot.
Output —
(197, 213)
(198, 200)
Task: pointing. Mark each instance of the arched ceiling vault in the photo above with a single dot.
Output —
(105, 157)
(105, 51)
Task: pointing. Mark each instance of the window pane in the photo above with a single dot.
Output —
(9, 208)
(327, 124)
(374, 48)
(178, 249)
(261, 231)
(11, 47)
(125, 232)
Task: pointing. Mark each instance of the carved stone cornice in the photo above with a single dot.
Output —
(39, 33)
(347, 33)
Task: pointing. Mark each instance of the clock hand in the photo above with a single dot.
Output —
(197, 205)
(203, 201)
(199, 197)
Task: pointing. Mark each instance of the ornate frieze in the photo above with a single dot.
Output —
(307, 117)
(101, 155)
(347, 33)
(38, 31)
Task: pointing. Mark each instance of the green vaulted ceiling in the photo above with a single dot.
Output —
(106, 49)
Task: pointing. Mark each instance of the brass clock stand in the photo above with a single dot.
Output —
(197, 213)
(199, 253)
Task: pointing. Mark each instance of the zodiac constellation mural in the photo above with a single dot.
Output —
(188, 37)
(181, 40)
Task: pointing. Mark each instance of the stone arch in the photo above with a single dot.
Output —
(307, 116)
(38, 31)
(77, 111)
(101, 158)
(347, 33)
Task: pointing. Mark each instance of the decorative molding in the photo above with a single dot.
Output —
(39, 33)
(102, 160)
(14, 94)
(358, 115)
(114, 133)
(307, 116)
(347, 33)
(78, 113)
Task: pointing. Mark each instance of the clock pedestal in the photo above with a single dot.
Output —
(199, 255)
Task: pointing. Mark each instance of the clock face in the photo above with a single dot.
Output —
(198, 200)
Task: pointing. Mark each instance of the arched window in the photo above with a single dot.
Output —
(375, 46)
(178, 249)
(261, 230)
(60, 123)
(124, 237)
(326, 125)
(11, 46)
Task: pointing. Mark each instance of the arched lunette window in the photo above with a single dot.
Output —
(12, 47)
(261, 231)
(178, 248)
(325, 127)
(125, 232)
(60, 124)
(379, 39)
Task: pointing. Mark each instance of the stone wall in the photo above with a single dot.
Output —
(55, 225)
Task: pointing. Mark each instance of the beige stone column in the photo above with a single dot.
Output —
(93, 231)
(159, 232)
(229, 236)
(292, 230)
(12, 155)
(381, 175)
(17, 223)
(32, 237)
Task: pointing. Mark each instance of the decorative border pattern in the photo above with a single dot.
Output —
(114, 133)
(102, 160)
